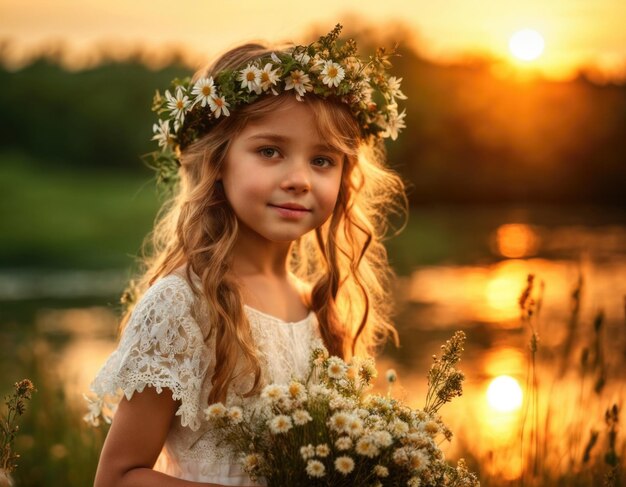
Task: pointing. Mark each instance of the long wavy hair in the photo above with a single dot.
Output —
(343, 262)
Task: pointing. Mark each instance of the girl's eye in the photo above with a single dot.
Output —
(323, 162)
(268, 152)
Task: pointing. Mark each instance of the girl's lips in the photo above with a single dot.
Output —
(292, 213)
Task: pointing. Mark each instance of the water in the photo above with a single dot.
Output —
(474, 286)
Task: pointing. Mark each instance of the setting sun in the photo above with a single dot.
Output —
(526, 44)
(504, 394)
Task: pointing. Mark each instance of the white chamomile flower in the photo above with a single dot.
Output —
(250, 78)
(399, 428)
(275, 58)
(219, 106)
(383, 438)
(315, 468)
(336, 368)
(303, 58)
(332, 74)
(235, 414)
(418, 460)
(280, 424)
(414, 482)
(162, 133)
(203, 90)
(300, 417)
(394, 88)
(177, 105)
(215, 411)
(269, 77)
(381, 471)
(297, 391)
(307, 451)
(395, 124)
(274, 393)
(344, 465)
(355, 426)
(339, 422)
(251, 461)
(300, 82)
(322, 450)
(343, 443)
(366, 446)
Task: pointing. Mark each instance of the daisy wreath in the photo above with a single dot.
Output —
(326, 68)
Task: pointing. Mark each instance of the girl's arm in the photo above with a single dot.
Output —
(134, 442)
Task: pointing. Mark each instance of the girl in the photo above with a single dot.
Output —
(271, 242)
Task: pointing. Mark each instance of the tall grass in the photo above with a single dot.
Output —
(568, 432)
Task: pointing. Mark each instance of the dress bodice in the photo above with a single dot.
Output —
(168, 343)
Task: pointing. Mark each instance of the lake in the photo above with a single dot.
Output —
(459, 269)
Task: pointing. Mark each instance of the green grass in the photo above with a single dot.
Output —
(60, 218)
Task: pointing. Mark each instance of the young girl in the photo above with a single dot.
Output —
(271, 242)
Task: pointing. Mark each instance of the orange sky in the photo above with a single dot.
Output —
(576, 31)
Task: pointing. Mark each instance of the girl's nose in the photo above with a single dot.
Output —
(297, 177)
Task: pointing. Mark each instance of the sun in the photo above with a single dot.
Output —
(504, 394)
(526, 44)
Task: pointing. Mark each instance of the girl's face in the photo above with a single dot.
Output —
(280, 176)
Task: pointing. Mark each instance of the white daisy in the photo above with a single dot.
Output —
(303, 58)
(315, 468)
(251, 461)
(336, 368)
(297, 391)
(322, 450)
(332, 74)
(394, 125)
(383, 438)
(280, 424)
(307, 451)
(235, 414)
(418, 460)
(269, 77)
(177, 105)
(344, 465)
(219, 106)
(274, 393)
(381, 471)
(215, 411)
(414, 482)
(300, 82)
(339, 422)
(355, 426)
(367, 447)
(203, 90)
(300, 417)
(394, 88)
(250, 78)
(399, 428)
(162, 133)
(343, 443)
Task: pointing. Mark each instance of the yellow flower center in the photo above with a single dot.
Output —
(250, 76)
(218, 102)
(264, 76)
(179, 104)
(332, 72)
(206, 90)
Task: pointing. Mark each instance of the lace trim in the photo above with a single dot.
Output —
(162, 347)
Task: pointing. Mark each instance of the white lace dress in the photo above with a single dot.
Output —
(165, 345)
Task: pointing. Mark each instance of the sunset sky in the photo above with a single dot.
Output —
(576, 32)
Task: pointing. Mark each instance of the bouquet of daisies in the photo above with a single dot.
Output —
(328, 430)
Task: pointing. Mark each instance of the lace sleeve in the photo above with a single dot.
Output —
(162, 346)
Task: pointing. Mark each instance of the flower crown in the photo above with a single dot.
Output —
(324, 68)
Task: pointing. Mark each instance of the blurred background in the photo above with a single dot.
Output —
(515, 159)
